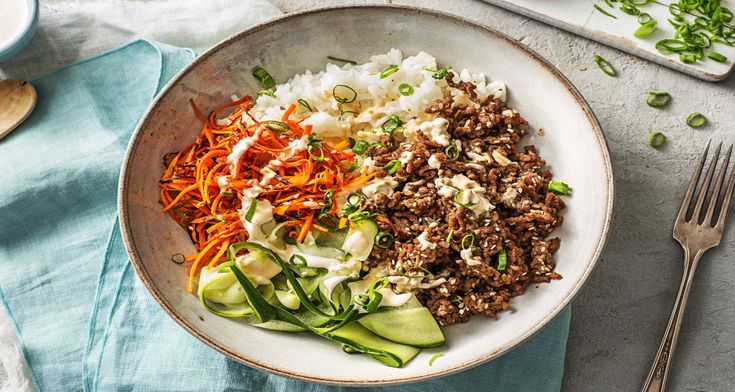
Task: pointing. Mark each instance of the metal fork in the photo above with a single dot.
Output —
(696, 234)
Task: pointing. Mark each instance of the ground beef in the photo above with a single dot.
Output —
(524, 212)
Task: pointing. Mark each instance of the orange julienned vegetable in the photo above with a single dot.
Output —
(202, 190)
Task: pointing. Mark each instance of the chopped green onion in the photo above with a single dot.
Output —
(644, 18)
(438, 74)
(359, 215)
(502, 260)
(392, 166)
(391, 124)
(298, 261)
(305, 105)
(461, 204)
(639, 2)
(452, 152)
(313, 147)
(658, 99)
(352, 166)
(645, 29)
(468, 241)
(405, 89)
(354, 199)
(605, 66)
(265, 79)
(559, 188)
(630, 9)
(667, 46)
(602, 11)
(360, 147)
(328, 198)
(269, 93)
(344, 94)
(435, 357)
(449, 236)
(656, 139)
(388, 71)
(384, 240)
(716, 56)
(251, 211)
(277, 126)
(334, 58)
(687, 58)
(178, 258)
(696, 120)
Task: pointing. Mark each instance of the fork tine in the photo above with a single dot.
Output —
(692, 185)
(718, 187)
(728, 198)
(705, 185)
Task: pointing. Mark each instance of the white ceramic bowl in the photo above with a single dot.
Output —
(573, 145)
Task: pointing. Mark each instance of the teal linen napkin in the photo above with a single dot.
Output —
(84, 319)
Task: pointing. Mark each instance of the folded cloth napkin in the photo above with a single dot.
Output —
(84, 319)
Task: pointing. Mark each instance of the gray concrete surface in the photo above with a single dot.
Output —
(619, 317)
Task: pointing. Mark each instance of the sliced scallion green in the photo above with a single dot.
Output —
(658, 99)
(449, 236)
(644, 18)
(388, 71)
(405, 89)
(502, 260)
(605, 66)
(391, 124)
(360, 147)
(645, 29)
(384, 240)
(602, 11)
(303, 103)
(656, 139)
(696, 120)
(277, 126)
(716, 56)
(630, 9)
(341, 60)
(468, 241)
(392, 166)
(435, 357)
(458, 200)
(343, 93)
(559, 188)
(251, 210)
(265, 79)
(452, 152)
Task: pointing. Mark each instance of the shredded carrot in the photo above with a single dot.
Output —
(193, 194)
(305, 228)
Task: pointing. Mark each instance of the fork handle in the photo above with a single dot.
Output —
(657, 376)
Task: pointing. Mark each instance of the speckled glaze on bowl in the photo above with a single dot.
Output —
(573, 145)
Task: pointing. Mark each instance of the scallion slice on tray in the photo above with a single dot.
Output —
(696, 120)
(658, 99)
(605, 66)
(656, 139)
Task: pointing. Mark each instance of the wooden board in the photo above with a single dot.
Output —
(580, 17)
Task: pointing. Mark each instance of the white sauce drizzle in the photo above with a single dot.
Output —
(472, 193)
(434, 163)
(424, 242)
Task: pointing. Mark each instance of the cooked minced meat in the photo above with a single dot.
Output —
(429, 227)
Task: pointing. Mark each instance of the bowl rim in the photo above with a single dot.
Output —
(28, 28)
(126, 231)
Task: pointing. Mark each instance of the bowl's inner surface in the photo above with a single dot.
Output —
(572, 146)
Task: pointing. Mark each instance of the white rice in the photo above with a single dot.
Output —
(377, 98)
